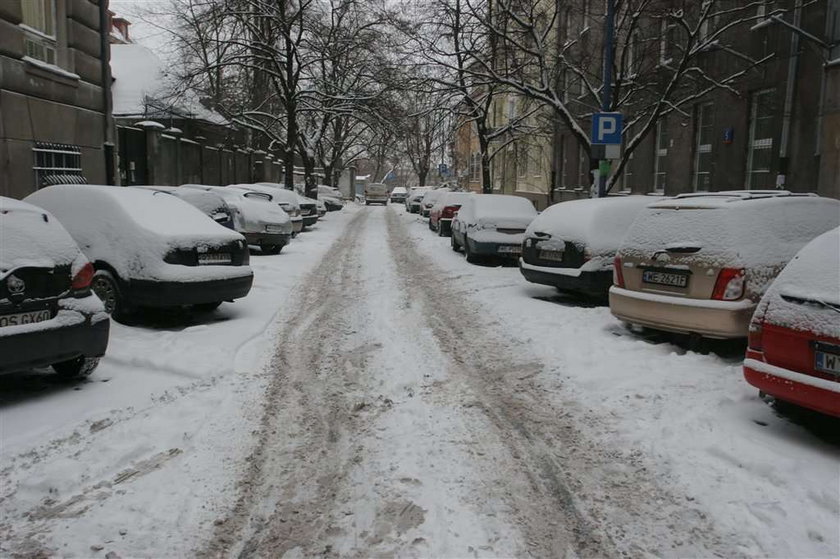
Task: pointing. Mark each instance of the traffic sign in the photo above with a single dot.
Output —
(607, 128)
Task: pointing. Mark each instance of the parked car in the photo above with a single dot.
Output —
(492, 225)
(286, 199)
(329, 191)
(572, 245)
(322, 208)
(699, 263)
(48, 314)
(414, 200)
(440, 217)
(212, 204)
(793, 349)
(429, 200)
(308, 210)
(398, 194)
(255, 216)
(332, 204)
(376, 193)
(150, 249)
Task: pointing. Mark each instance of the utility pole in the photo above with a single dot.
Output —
(606, 94)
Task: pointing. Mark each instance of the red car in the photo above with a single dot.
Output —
(445, 208)
(793, 352)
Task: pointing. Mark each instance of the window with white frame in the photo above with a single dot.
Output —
(627, 179)
(666, 38)
(703, 137)
(39, 29)
(761, 148)
(661, 156)
(57, 164)
(475, 167)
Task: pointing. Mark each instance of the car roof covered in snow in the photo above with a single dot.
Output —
(726, 199)
(453, 198)
(31, 236)
(502, 205)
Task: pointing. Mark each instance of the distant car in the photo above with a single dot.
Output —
(286, 199)
(492, 225)
(398, 195)
(329, 191)
(308, 210)
(255, 216)
(447, 205)
(698, 264)
(376, 193)
(572, 245)
(48, 314)
(414, 200)
(150, 249)
(429, 200)
(322, 207)
(211, 203)
(793, 349)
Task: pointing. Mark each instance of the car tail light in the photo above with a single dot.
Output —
(82, 279)
(449, 212)
(754, 337)
(618, 273)
(729, 285)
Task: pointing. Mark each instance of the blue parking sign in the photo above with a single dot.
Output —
(607, 128)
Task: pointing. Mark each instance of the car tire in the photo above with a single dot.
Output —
(79, 367)
(105, 285)
(271, 249)
(207, 307)
(440, 230)
(454, 243)
(471, 258)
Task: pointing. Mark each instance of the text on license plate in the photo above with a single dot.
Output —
(214, 258)
(30, 317)
(827, 362)
(665, 278)
(510, 249)
(551, 255)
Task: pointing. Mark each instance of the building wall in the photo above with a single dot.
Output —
(62, 103)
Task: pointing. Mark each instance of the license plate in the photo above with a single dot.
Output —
(510, 249)
(273, 229)
(827, 362)
(665, 278)
(556, 255)
(214, 258)
(30, 317)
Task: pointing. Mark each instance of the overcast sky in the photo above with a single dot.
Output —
(148, 25)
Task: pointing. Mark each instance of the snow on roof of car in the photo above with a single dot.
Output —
(492, 205)
(31, 236)
(276, 191)
(806, 294)
(597, 223)
(453, 198)
(725, 198)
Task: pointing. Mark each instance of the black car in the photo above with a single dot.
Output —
(48, 314)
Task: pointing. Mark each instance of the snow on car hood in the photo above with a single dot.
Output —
(31, 236)
(130, 228)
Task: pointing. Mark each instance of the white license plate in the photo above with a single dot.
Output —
(665, 278)
(556, 255)
(510, 249)
(827, 362)
(273, 229)
(30, 317)
(214, 258)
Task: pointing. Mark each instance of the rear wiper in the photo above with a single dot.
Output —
(683, 249)
(807, 301)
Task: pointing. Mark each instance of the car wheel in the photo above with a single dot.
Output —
(471, 258)
(271, 249)
(207, 307)
(454, 243)
(76, 368)
(367, 203)
(440, 230)
(105, 286)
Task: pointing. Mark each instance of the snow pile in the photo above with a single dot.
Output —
(133, 229)
(806, 295)
(30, 236)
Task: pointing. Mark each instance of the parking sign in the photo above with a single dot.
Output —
(607, 128)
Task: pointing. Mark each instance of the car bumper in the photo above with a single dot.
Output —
(260, 239)
(310, 220)
(790, 386)
(502, 250)
(445, 226)
(297, 226)
(39, 348)
(147, 293)
(712, 319)
(596, 283)
(414, 208)
(369, 200)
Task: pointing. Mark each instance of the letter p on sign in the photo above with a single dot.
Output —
(606, 128)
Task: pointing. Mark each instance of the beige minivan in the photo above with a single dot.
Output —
(699, 263)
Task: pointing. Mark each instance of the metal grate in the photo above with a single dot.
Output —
(57, 164)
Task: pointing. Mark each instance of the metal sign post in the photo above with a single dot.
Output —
(604, 122)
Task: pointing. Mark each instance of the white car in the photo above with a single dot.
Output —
(414, 199)
(286, 199)
(492, 225)
(429, 199)
(150, 249)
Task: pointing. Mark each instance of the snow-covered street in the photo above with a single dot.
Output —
(376, 395)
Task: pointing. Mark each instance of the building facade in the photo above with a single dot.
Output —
(55, 114)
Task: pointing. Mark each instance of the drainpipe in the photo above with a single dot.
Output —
(793, 67)
(104, 59)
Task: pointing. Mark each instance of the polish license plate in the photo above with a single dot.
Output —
(30, 317)
(214, 258)
(556, 255)
(665, 278)
(510, 249)
(827, 362)
(273, 229)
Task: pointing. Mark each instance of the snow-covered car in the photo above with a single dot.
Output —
(255, 216)
(48, 314)
(572, 245)
(793, 349)
(698, 264)
(398, 195)
(308, 210)
(322, 207)
(212, 204)
(492, 225)
(440, 217)
(430, 197)
(414, 200)
(331, 197)
(376, 193)
(150, 249)
(286, 199)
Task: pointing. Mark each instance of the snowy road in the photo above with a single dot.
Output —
(386, 398)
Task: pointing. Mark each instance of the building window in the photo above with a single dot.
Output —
(561, 162)
(566, 24)
(704, 122)
(666, 38)
(39, 27)
(475, 167)
(661, 156)
(522, 161)
(760, 149)
(57, 164)
(708, 21)
(584, 180)
(536, 162)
